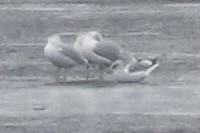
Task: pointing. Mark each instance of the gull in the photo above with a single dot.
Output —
(140, 64)
(97, 50)
(61, 55)
(133, 71)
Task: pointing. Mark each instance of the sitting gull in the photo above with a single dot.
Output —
(61, 55)
(131, 72)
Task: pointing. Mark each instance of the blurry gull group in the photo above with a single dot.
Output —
(93, 51)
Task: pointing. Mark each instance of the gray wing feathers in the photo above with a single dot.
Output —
(72, 53)
(108, 49)
(133, 67)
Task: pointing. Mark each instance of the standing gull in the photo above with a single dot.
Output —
(97, 51)
(61, 55)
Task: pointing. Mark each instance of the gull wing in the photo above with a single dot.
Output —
(108, 49)
(137, 66)
(71, 53)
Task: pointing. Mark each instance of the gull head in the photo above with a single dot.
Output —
(79, 40)
(54, 38)
(87, 40)
(95, 35)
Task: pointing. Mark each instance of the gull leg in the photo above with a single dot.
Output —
(65, 75)
(57, 74)
(73, 74)
(88, 72)
(101, 73)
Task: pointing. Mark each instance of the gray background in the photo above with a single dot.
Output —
(167, 101)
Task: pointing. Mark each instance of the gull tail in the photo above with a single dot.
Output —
(151, 69)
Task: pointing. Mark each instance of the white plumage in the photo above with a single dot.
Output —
(60, 54)
(122, 72)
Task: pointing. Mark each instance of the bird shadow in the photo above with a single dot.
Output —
(95, 83)
(84, 83)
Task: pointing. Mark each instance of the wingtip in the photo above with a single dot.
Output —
(152, 68)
